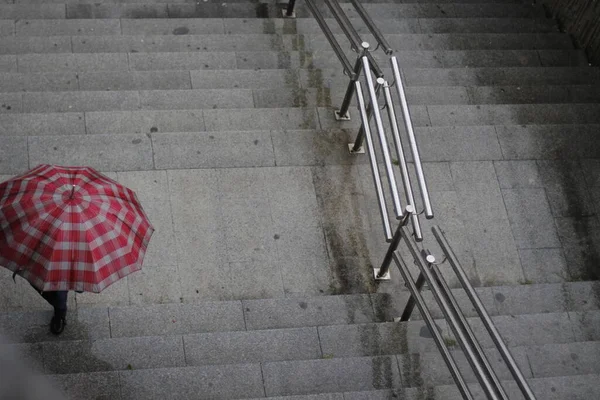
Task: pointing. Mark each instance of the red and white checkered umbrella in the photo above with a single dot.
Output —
(71, 228)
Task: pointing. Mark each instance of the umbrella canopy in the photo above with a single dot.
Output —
(71, 228)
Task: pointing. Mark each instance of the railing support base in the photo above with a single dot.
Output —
(285, 14)
(385, 277)
(361, 149)
(338, 117)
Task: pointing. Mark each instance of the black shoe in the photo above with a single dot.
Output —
(57, 325)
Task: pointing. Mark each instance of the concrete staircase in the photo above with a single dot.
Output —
(258, 281)
(324, 347)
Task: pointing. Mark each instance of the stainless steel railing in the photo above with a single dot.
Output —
(366, 67)
(429, 272)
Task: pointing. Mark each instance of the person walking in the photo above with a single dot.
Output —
(58, 300)
(70, 228)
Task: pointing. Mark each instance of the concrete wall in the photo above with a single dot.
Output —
(580, 18)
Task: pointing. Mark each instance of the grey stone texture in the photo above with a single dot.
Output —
(195, 99)
(8, 63)
(24, 11)
(113, 354)
(46, 27)
(172, 319)
(145, 122)
(149, 26)
(7, 28)
(99, 385)
(149, 80)
(42, 124)
(72, 62)
(38, 82)
(103, 152)
(57, 102)
(258, 280)
(252, 347)
(313, 311)
(530, 218)
(214, 381)
(13, 154)
(330, 375)
(32, 326)
(486, 222)
(179, 61)
(25, 45)
(564, 359)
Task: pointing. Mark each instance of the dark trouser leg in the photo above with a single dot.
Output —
(60, 303)
(58, 300)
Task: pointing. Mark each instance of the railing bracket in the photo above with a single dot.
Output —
(385, 277)
(361, 149)
(338, 117)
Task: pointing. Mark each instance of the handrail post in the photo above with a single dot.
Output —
(382, 273)
(289, 11)
(342, 114)
(410, 304)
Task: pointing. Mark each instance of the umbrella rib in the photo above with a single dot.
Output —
(45, 234)
(112, 212)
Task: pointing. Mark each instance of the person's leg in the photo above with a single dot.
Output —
(60, 303)
(57, 325)
(50, 297)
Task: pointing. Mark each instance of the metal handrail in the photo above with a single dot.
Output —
(469, 335)
(410, 199)
(373, 160)
(437, 337)
(483, 314)
(337, 49)
(382, 138)
(430, 273)
(351, 33)
(472, 358)
(412, 139)
(381, 40)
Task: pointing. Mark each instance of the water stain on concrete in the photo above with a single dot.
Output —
(182, 30)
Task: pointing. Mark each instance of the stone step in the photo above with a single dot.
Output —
(442, 41)
(520, 76)
(233, 98)
(292, 78)
(265, 11)
(105, 62)
(242, 2)
(209, 120)
(270, 42)
(182, 26)
(423, 368)
(577, 387)
(555, 360)
(92, 321)
(518, 114)
(365, 378)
